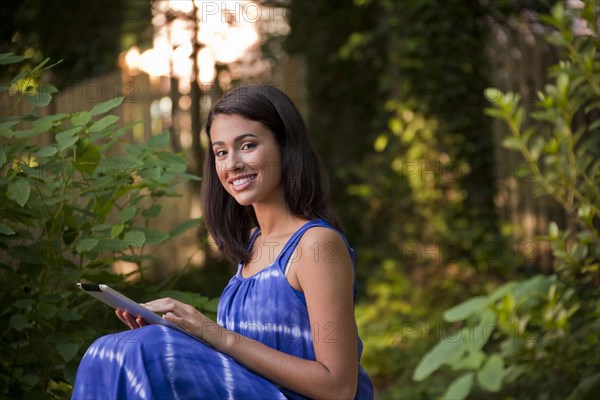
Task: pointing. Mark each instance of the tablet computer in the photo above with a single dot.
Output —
(119, 301)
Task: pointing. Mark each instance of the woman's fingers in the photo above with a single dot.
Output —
(172, 310)
(163, 305)
(122, 315)
(130, 320)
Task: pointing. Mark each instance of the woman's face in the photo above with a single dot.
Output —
(247, 159)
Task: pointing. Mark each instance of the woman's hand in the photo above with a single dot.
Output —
(129, 320)
(186, 317)
(180, 314)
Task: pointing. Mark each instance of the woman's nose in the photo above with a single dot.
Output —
(233, 163)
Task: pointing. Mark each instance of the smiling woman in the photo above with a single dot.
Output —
(285, 325)
(247, 160)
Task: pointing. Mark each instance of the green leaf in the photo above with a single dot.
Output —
(5, 229)
(534, 288)
(443, 352)
(395, 126)
(154, 236)
(159, 140)
(460, 388)
(29, 379)
(562, 83)
(52, 297)
(81, 118)
(47, 311)
(7, 133)
(67, 315)
(493, 95)
(466, 309)
(104, 122)
(67, 350)
(153, 211)
(65, 135)
(10, 58)
(8, 124)
(483, 330)
(512, 143)
(490, 376)
(501, 291)
(494, 112)
(86, 245)
(67, 138)
(42, 96)
(472, 360)
(127, 213)
(211, 306)
(24, 303)
(88, 157)
(187, 225)
(101, 227)
(116, 230)
(18, 321)
(381, 143)
(134, 239)
(68, 143)
(19, 191)
(553, 230)
(174, 162)
(519, 117)
(2, 158)
(135, 150)
(46, 152)
(38, 126)
(587, 386)
(108, 105)
(537, 147)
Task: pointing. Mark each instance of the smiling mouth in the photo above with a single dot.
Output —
(242, 180)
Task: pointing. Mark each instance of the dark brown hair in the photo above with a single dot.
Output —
(306, 188)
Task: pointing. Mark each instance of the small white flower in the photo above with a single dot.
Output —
(575, 4)
(581, 28)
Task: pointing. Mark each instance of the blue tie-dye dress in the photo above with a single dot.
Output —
(155, 362)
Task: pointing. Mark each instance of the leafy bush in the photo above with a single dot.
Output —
(538, 338)
(69, 209)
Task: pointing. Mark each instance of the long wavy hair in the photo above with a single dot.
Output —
(306, 188)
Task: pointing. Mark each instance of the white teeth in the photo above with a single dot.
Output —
(241, 181)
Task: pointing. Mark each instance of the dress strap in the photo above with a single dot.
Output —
(253, 237)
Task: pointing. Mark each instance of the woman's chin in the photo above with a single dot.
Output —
(243, 200)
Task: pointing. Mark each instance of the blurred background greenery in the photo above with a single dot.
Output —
(449, 193)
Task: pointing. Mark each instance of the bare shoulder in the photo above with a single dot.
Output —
(325, 245)
(321, 234)
(324, 270)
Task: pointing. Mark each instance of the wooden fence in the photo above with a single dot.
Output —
(520, 58)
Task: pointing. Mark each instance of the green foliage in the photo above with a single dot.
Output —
(538, 338)
(391, 89)
(69, 209)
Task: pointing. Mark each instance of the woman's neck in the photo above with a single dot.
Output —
(274, 218)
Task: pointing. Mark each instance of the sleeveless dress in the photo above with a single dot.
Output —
(156, 362)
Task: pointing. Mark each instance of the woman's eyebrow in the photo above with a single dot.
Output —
(237, 139)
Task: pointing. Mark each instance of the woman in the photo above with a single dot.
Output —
(286, 325)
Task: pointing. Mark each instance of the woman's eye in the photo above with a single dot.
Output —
(248, 146)
(219, 153)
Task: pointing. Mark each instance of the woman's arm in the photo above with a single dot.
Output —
(325, 274)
